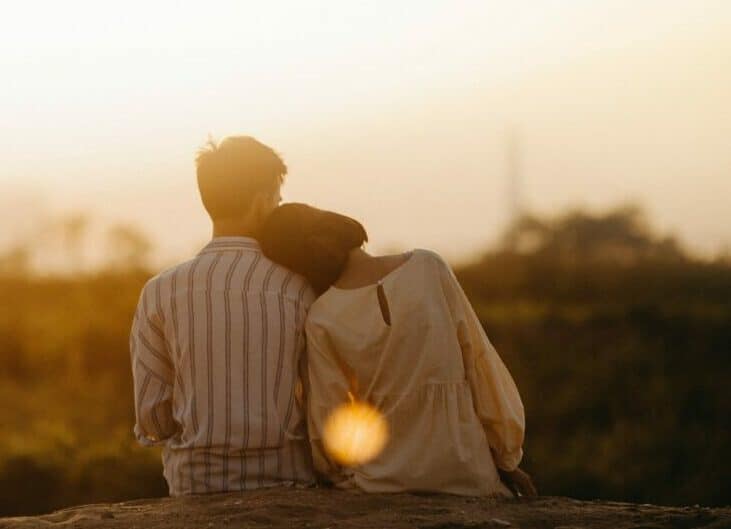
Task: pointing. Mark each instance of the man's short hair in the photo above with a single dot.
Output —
(231, 173)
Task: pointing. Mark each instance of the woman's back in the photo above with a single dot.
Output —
(405, 340)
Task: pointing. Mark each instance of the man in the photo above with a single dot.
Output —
(216, 341)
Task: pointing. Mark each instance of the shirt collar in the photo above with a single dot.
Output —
(219, 244)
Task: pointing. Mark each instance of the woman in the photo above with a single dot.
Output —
(400, 328)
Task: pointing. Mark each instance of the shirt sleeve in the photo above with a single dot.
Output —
(152, 372)
(495, 395)
(328, 389)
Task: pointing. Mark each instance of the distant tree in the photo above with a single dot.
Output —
(16, 262)
(724, 255)
(74, 228)
(128, 248)
(619, 236)
(526, 235)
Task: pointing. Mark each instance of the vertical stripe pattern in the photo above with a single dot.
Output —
(214, 345)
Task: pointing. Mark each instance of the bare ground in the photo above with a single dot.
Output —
(314, 508)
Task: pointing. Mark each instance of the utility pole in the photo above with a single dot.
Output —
(513, 188)
(514, 167)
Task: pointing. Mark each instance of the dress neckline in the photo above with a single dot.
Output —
(393, 272)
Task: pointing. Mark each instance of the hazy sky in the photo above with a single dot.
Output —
(393, 112)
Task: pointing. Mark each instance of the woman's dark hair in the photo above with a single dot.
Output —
(311, 242)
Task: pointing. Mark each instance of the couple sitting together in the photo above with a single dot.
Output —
(240, 355)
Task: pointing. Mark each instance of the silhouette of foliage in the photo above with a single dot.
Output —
(619, 343)
(618, 339)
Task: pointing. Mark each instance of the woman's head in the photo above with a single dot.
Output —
(312, 242)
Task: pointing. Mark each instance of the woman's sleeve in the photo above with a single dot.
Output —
(495, 395)
(328, 389)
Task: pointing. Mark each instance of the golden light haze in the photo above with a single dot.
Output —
(393, 112)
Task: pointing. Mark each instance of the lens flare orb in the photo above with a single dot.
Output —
(355, 433)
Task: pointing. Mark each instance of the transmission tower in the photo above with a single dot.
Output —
(514, 170)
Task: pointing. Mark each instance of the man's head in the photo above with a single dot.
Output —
(239, 181)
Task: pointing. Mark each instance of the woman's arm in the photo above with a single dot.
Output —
(327, 389)
(495, 395)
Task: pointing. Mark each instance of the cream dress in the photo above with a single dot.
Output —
(453, 410)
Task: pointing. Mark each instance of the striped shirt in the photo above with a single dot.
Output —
(217, 347)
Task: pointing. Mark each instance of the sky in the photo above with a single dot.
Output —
(397, 113)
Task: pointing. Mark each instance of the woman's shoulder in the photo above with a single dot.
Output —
(324, 311)
(431, 259)
(318, 309)
(437, 270)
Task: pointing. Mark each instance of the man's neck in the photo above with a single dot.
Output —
(233, 229)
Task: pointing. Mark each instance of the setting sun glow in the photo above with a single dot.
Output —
(388, 112)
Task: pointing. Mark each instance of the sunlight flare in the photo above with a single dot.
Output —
(355, 433)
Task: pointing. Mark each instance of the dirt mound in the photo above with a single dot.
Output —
(324, 508)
